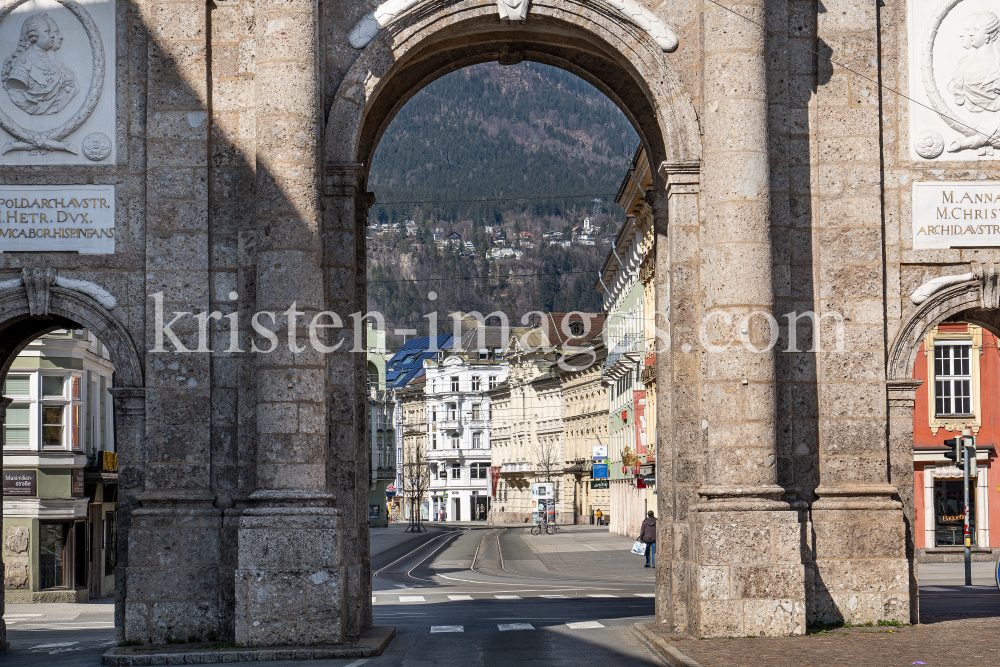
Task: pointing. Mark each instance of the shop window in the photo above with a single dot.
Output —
(53, 543)
(110, 542)
(80, 554)
(949, 518)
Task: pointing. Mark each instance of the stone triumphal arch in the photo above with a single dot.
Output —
(211, 163)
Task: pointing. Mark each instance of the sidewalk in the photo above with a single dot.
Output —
(948, 643)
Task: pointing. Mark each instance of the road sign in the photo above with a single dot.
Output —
(445, 495)
(600, 484)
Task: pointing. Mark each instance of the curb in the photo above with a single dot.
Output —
(665, 649)
(371, 644)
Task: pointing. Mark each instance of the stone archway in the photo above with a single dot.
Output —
(974, 296)
(36, 304)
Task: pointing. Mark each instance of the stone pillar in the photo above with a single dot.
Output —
(288, 577)
(679, 442)
(902, 395)
(173, 527)
(129, 404)
(861, 573)
(750, 577)
(4, 644)
(348, 471)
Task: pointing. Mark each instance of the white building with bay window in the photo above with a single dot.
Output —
(458, 424)
(60, 471)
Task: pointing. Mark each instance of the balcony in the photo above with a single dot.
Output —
(625, 354)
(517, 468)
(449, 425)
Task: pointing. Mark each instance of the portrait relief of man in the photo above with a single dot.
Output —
(975, 83)
(36, 80)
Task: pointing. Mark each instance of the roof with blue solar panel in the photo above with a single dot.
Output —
(408, 362)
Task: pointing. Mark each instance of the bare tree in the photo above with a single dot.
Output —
(548, 462)
(416, 481)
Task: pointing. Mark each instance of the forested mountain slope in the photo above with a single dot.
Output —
(531, 146)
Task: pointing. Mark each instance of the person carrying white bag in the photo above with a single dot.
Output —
(646, 542)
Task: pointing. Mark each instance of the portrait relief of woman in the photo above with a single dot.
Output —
(36, 80)
(975, 83)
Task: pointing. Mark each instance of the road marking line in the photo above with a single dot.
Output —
(373, 599)
(935, 589)
(584, 625)
(447, 628)
(555, 597)
(357, 662)
(504, 627)
(56, 645)
(507, 597)
(600, 595)
(459, 597)
(411, 598)
(645, 595)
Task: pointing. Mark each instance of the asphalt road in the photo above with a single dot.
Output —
(469, 595)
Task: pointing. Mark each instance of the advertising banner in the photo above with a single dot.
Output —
(600, 452)
(494, 480)
(600, 484)
(600, 471)
(639, 398)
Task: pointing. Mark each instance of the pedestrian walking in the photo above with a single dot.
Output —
(599, 514)
(647, 534)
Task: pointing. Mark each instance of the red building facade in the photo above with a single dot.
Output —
(960, 366)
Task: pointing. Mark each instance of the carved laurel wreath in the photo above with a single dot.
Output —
(986, 135)
(93, 94)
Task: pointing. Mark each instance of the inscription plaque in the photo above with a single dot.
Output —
(46, 218)
(956, 215)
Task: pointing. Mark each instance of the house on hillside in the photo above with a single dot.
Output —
(455, 240)
(586, 239)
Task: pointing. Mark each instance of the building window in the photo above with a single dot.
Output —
(456, 471)
(434, 414)
(493, 382)
(479, 470)
(455, 444)
(475, 411)
(17, 427)
(454, 383)
(949, 516)
(452, 412)
(434, 441)
(952, 380)
(475, 383)
(52, 426)
(477, 440)
(110, 542)
(53, 554)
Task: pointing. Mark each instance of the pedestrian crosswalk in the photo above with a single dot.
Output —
(389, 598)
(510, 627)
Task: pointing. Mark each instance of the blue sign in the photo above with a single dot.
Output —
(600, 471)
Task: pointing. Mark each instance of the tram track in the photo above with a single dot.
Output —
(391, 576)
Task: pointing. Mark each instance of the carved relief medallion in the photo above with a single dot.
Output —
(954, 79)
(57, 101)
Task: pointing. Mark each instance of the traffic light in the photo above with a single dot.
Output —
(956, 453)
